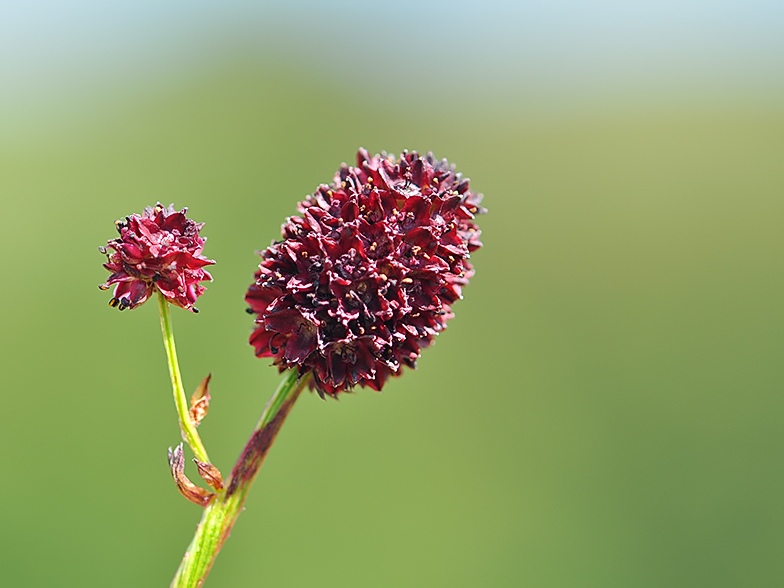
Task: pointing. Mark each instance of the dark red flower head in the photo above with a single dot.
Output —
(159, 249)
(366, 276)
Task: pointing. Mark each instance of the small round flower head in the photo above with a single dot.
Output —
(365, 277)
(159, 249)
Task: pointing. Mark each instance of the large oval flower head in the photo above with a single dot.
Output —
(366, 276)
(159, 249)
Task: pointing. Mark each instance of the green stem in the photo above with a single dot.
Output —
(219, 516)
(187, 427)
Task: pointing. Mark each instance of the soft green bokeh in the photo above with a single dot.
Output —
(604, 411)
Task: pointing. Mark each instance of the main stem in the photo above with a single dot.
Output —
(187, 427)
(223, 510)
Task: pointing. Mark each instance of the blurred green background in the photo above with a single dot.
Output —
(606, 408)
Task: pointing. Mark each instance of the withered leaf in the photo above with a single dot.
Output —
(188, 489)
(210, 474)
(200, 401)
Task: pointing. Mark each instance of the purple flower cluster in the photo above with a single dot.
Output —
(159, 249)
(365, 277)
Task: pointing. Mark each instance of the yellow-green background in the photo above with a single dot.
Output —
(606, 408)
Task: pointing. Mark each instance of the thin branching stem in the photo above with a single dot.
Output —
(189, 432)
(221, 513)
